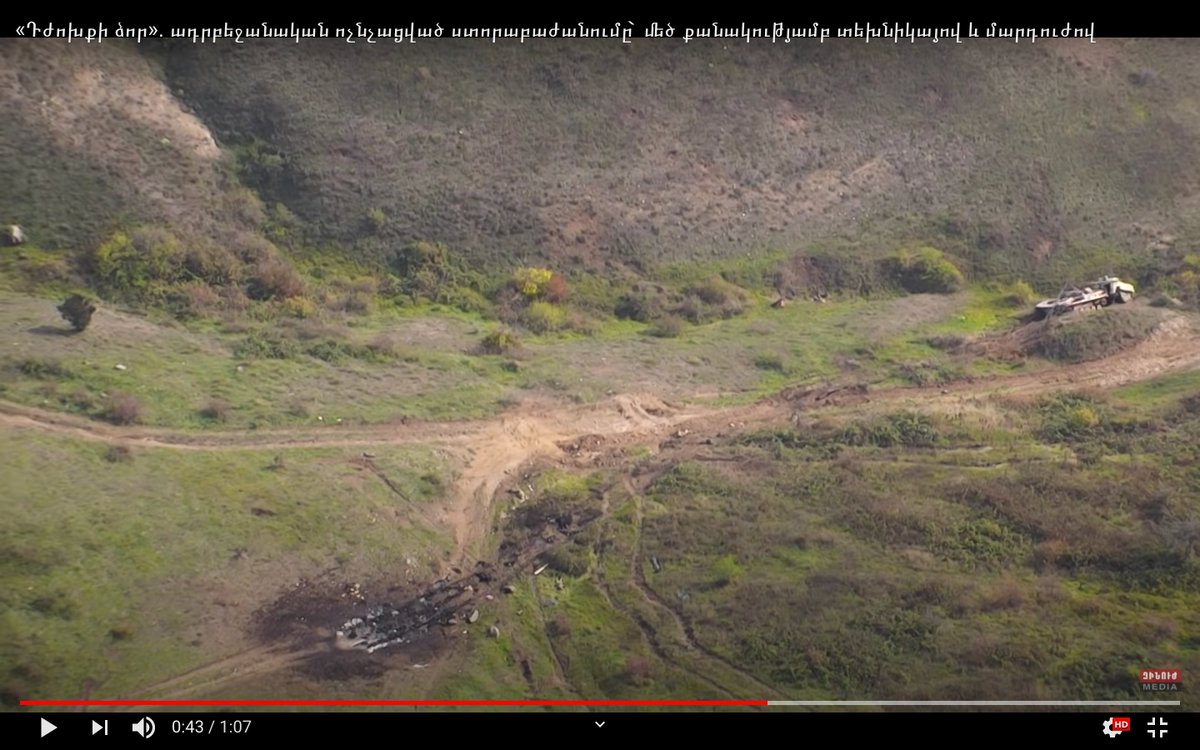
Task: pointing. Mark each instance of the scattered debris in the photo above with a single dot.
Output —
(473, 617)
(494, 631)
(120, 367)
(558, 583)
(371, 455)
(538, 572)
(508, 589)
(655, 564)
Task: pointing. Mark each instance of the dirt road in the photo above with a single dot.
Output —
(490, 451)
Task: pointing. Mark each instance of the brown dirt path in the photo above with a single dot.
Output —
(490, 451)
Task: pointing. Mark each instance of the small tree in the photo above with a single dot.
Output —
(77, 310)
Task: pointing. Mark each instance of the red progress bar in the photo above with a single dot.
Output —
(390, 703)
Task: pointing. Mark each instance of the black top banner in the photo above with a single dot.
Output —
(745, 26)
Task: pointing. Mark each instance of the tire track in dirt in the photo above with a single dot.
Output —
(648, 631)
(638, 579)
(232, 669)
(491, 450)
(560, 667)
(650, 636)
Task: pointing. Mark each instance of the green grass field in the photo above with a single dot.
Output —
(126, 568)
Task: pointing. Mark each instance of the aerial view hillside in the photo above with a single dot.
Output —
(584, 370)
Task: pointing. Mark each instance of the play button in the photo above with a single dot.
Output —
(47, 727)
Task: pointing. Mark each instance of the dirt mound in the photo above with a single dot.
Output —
(582, 444)
(824, 395)
(1083, 335)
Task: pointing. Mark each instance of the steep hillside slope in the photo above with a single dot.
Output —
(1052, 156)
(656, 150)
(92, 139)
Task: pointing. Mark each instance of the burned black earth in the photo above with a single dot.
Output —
(420, 623)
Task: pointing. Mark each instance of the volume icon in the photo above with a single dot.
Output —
(145, 727)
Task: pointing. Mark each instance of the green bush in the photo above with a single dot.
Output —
(908, 429)
(830, 272)
(924, 270)
(464, 298)
(770, 362)
(726, 570)
(712, 300)
(717, 291)
(129, 263)
(274, 278)
(217, 410)
(643, 303)
(667, 327)
(330, 350)
(44, 369)
(499, 341)
(1019, 294)
(543, 317)
(418, 255)
(262, 345)
(1072, 417)
(377, 220)
(298, 307)
(427, 270)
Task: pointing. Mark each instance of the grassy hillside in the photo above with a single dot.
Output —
(93, 139)
(1051, 162)
(1010, 155)
(728, 342)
